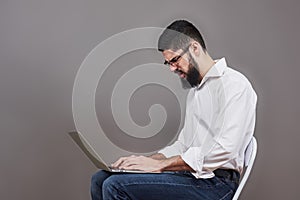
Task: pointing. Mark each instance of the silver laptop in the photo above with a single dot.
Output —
(93, 155)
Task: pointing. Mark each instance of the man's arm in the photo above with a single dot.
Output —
(175, 163)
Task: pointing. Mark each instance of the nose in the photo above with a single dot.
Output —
(173, 68)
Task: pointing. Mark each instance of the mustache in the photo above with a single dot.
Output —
(178, 71)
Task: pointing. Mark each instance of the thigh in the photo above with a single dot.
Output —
(165, 186)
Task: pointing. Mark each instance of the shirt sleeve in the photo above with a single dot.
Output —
(177, 148)
(233, 126)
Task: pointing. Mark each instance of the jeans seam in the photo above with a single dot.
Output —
(156, 183)
(226, 195)
(185, 185)
(209, 186)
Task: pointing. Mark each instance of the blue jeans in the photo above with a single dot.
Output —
(169, 185)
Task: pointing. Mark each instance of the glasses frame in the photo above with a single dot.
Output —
(176, 58)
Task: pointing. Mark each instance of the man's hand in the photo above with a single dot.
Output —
(155, 163)
(142, 163)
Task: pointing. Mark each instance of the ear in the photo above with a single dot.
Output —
(196, 48)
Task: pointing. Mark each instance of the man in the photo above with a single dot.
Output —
(207, 159)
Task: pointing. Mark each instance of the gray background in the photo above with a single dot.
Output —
(42, 44)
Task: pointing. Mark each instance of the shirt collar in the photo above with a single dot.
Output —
(217, 70)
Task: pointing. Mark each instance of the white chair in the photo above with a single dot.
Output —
(250, 155)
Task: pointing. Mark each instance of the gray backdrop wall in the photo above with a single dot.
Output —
(42, 44)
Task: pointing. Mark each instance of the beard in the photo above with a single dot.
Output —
(192, 79)
(193, 76)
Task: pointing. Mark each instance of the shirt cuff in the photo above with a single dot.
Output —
(194, 159)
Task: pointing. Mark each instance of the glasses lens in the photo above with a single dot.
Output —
(176, 58)
(172, 61)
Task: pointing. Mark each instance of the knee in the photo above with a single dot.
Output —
(98, 179)
(110, 183)
(112, 188)
(96, 184)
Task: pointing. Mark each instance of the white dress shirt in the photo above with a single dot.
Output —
(219, 122)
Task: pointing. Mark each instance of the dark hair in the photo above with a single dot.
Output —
(178, 36)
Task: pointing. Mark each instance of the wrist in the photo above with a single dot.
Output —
(165, 163)
(158, 156)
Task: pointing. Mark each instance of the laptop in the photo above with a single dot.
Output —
(94, 156)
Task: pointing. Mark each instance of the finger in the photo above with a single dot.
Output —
(134, 167)
(128, 162)
(131, 160)
(125, 161)
(118, 162)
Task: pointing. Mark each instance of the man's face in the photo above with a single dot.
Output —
(183, 64)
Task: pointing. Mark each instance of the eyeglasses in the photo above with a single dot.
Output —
(176, 58)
